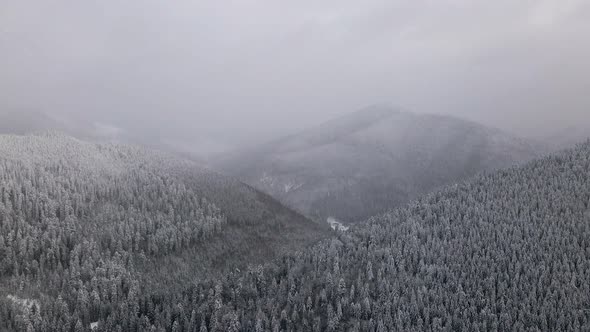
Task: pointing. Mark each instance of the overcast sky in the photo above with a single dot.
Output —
(226, 71)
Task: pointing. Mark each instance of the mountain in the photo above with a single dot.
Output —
(566, 137)
(25, 121)
(505, 251)
(372, 160)
(22, 122)
(101, 218)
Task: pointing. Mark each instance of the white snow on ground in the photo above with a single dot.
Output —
(277, 184)
(25, 304)
(337, 225)
(292, 186)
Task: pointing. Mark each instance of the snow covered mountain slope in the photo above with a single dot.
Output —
(142, 203)
(372, 160)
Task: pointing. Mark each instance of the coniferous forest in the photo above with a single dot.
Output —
(294, 166)
(505, 251)
(94, 222)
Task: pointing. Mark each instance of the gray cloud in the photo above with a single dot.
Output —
(236, 71)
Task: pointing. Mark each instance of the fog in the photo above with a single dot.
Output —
(210, 75)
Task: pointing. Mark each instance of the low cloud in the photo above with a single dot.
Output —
(237, 72)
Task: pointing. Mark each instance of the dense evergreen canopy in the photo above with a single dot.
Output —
(84, 224)
(507, 251)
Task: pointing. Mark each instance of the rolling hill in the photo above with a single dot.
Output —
(74, 215)
(369, 161)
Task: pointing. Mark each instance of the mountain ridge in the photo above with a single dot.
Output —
(380, 152)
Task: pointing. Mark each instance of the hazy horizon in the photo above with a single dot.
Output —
(240, 72)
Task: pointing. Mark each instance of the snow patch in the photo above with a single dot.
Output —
(291, 186)
(25, 304)
(336, 224)
(276, 183)
(266, 179)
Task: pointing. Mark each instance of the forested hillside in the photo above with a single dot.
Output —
(369, 161)
(506, 251)
(96, 222)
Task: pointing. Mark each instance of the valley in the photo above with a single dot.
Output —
(401, 270)
(294, 166)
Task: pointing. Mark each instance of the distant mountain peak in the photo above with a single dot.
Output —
(376, 158)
